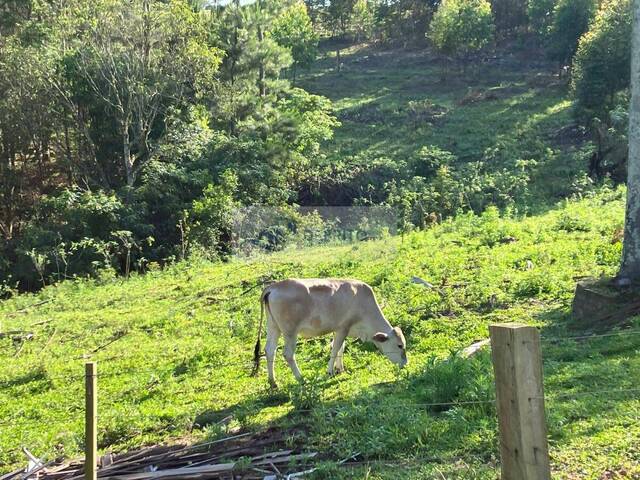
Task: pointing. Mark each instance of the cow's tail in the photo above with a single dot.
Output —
(264, 298)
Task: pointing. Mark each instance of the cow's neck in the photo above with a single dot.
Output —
(369, 326)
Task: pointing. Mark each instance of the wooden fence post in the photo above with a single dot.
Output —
(517, 363)
(91, 421)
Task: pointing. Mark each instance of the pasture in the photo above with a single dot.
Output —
(174, 350)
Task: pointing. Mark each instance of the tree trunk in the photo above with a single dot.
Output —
(126, 155)
(261, 76)
(630, 268)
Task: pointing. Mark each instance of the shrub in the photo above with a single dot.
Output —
(429, 159)
(572, 223)
(79, 233)
(208, 224)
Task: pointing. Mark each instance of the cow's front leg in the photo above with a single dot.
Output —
(289, 355)
(337, 350)
(273, 334)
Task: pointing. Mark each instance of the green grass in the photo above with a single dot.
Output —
(393, 103)
(174, 349)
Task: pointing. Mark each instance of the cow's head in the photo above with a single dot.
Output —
(392, 345)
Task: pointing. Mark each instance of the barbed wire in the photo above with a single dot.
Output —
(454, 403)
(594, 335)
(248, 363)
(590, 393)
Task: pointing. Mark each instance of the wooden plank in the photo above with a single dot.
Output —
(184, 472)
(517, 363)
(91, 421)
(10, 475)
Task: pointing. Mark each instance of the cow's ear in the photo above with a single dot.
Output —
(381, 337)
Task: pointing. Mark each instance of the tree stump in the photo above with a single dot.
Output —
(599, 304)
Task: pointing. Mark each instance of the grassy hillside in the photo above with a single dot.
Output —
(174, 350)
(507, 121)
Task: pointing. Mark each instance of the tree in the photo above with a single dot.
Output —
(294, 31)
(138, 59)
(571, 19)
(362, 20)
(630, 266)
(540, 13)
(405, 21)
(509, 14)
(340, 12)
(602, 62)
(253, 61)
(462, 27)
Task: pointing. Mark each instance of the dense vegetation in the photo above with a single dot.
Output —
(174, 349)
(130, 131)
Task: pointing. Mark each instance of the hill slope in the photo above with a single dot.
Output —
(174, 350)
(506, 122)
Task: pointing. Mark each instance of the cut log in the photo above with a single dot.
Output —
(474, 348)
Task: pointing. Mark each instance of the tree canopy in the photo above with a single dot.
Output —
(460, 27)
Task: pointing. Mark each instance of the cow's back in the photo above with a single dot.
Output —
(315, 306)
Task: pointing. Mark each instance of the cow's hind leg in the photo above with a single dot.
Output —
(337, 349)
(339, 365)
(273, 334)
(289, 355)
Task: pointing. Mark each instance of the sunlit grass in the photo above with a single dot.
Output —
(174, 350)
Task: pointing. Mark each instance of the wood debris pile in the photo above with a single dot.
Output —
(248, 456)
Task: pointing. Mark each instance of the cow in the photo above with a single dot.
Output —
(313, 307)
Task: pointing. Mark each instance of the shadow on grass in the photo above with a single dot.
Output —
(405, 419)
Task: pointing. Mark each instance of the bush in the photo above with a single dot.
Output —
(429, 159)
(209, 222)
(79, 233)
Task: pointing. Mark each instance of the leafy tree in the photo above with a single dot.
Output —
(509, 14)
(293, 30)
(340, 14)
(131, 112)
(405, 21)
(540, 13)
(462, 27)
(571, 19)
(137, 61)
(362, 20)
(210, 220)
(602, 62)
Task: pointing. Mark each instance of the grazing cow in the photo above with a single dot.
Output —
(313, 307)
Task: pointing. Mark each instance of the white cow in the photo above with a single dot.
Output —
(313, 307)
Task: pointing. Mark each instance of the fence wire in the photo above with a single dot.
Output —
(621, 333)
(16, 420)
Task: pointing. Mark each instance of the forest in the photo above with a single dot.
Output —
(130, 131)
